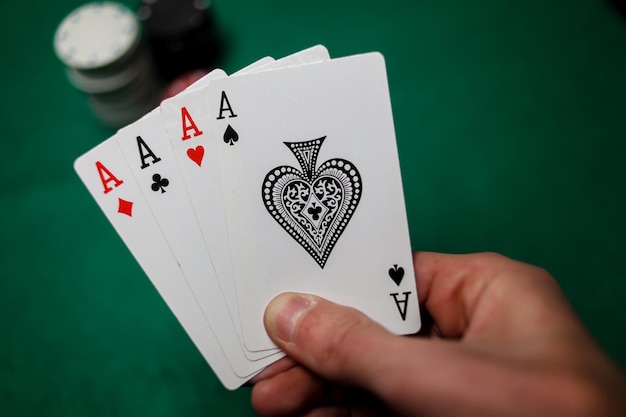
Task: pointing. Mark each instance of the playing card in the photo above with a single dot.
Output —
(312, 191)
(204, 81)
(311, 55)
(187, 120)
(147, 150)
(105, 173)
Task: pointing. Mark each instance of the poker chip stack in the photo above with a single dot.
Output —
(105, 57)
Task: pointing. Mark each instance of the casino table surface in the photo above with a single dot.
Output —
(511, 129)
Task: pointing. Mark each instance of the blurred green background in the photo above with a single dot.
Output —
(511, 127)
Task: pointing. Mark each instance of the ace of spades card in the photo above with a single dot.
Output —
(312, 191)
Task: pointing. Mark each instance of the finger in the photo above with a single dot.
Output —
(337, 342)
(293, 392)
(346, 411)
(333, 411)
(463, 293)
(281, 365)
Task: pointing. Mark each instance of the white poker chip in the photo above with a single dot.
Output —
(96, 34)
(123, 113)
(111, 82)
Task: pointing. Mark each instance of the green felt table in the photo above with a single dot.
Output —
(511, 128)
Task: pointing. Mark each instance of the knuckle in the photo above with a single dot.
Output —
(490, 260)
(503, 266)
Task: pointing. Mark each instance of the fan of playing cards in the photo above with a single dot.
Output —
(281, 177)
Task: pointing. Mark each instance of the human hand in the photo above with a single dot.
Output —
(504, 342)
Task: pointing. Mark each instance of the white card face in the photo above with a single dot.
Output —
(324, 213)
(146, 147)
(188, 126)
(105, 173)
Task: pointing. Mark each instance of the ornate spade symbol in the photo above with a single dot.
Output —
(313, 205)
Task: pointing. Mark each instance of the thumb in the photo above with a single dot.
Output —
(336, 342)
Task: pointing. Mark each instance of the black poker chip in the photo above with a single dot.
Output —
(182, 35)
(620, 7)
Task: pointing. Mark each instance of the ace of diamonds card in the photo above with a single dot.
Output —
(312, 191)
